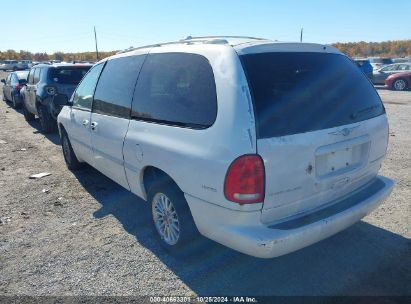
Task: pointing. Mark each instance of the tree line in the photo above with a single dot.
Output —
(396, 48)
(25, 55)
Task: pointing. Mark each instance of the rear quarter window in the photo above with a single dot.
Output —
(176, 89)
(302, 92)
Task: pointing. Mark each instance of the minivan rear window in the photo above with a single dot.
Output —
(302, 92)
(68, 75)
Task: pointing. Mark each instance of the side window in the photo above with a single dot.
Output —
(83, 96)
(176, 89)
(31, 76)
(8, 79)
(14, 79)
(115, 88)
(36, 76)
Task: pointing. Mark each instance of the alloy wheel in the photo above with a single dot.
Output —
(399, 85)
(166, 219)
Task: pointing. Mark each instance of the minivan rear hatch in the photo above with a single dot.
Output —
(321, 129)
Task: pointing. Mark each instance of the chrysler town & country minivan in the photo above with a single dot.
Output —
(265, 147)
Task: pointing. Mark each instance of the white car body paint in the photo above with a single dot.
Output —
(304, 172)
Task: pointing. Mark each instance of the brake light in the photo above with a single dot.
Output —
(245, 180)
(18, 87)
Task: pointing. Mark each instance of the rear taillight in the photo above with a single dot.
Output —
(245, 180)
(18, 87)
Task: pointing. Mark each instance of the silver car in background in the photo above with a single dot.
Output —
(379, 62)
(381, 74)
(9, 65)
(24, 64)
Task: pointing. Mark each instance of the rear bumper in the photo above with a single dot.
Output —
(55, 104)
(244, 232)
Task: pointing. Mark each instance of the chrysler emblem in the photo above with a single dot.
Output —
(344, 132)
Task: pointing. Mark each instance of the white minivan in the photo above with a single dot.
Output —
(265, 147)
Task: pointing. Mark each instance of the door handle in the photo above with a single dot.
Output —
(85, 122)
(94, 125)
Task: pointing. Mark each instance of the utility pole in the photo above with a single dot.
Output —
(301, 35)
(95, 39)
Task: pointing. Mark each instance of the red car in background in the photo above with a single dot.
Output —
(399, 81)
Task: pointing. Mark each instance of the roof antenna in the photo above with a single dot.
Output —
(301, 34)
(95, 39)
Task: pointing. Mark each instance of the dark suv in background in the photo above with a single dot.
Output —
(48, 89)
(365, 66)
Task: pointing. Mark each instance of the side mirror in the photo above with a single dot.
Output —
(3, 81)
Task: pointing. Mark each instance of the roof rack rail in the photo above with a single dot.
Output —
(221, 37)
(190, 39)
(148, 46)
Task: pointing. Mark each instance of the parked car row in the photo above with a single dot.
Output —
(43, 90)
(380, 75)
(262, 146)
(379, 62)
(15, 65)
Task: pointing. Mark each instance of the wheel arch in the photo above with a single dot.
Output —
(151, 174)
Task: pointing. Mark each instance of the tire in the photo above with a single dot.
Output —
(15, 104)
(48, 124)
(28, 116)
(68, 153)
(399, 85)
(177, 220)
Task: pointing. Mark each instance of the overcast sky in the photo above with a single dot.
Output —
(49, 26)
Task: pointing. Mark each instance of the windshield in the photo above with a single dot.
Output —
(68, 75)
(301, 92)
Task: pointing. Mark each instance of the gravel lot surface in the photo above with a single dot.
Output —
(81, 234)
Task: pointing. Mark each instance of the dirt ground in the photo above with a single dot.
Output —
(81, 234)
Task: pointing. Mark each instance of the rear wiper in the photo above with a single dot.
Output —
(363, 111)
